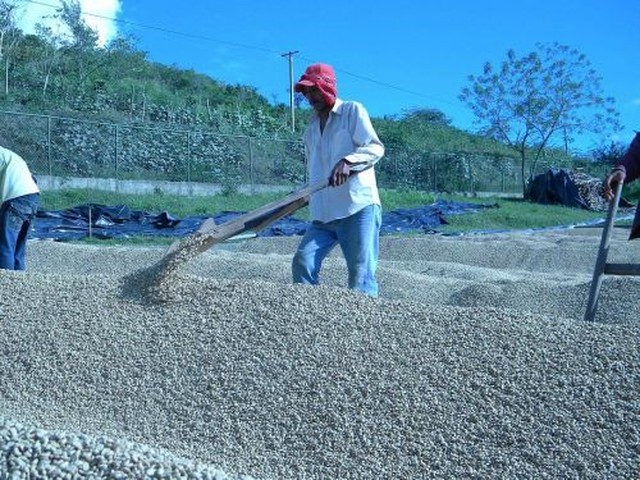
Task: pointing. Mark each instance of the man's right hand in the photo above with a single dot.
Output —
(616, 177)
(340, 173)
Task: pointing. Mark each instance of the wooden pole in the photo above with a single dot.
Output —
(291, 103)
(601, 262)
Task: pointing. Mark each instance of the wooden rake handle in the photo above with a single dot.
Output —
(210, 233)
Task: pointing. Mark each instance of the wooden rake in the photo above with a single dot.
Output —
(602, 267)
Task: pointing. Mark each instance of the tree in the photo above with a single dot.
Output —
(69, 52)
(48, 55)
(609, 154)
(79, 46)
(431, 116)
(10, 36)
(82, 37)
(539, 101)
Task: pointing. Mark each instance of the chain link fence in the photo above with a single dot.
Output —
(65, 148)
(459, 172)
(69, 148)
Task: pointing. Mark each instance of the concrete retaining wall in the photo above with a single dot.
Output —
(46, 182)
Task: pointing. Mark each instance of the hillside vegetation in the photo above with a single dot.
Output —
(111, 112)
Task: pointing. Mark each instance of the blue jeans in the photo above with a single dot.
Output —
(358, 237)
(16, 216)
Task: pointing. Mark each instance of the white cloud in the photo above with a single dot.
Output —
(105, 10)
(97, 14)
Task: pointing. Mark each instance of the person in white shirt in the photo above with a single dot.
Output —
(20, 197)
(341, 146)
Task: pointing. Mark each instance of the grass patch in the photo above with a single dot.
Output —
(395, 199)
(179, 206)
(182, 206)
(516, 214)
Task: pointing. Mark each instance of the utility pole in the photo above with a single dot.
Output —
(291, 105)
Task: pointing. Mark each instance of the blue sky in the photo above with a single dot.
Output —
(391, 56)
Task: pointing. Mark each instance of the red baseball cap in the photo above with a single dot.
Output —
(318, 74)
(323, 77)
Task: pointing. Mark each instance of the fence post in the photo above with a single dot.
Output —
(435, 174)
(49, 146)
(116, 151)
(188, 156)
(251, 166)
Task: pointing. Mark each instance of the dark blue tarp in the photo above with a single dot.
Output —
(120, 221)
(553, 187)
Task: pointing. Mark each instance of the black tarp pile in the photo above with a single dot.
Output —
(555, 187)
(568, 188)
(120, 221)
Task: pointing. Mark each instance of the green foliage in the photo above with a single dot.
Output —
(632, 192)
(426, 154)
(431, 116)
(70, 74)
(82, 38)
(609, 154)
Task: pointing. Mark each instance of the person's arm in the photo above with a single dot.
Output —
(369, 149)
(630, 162)
(626, 170)
(616, 176)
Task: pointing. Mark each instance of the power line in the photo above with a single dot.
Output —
(159, 29)
(383, 84)
(241, 45)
